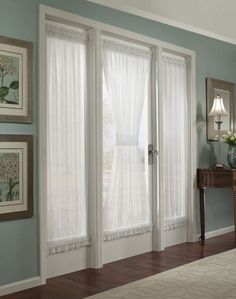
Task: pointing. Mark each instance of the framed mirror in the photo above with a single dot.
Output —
(226, 91)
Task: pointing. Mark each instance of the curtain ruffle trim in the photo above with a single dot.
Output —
(68, 246)
(127, 49)
(64, 31)
(173, 224)
(110, 235)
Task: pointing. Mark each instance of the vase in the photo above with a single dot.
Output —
(231, 156)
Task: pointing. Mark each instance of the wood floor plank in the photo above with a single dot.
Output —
(87, 282)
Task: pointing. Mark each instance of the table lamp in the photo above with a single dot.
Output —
(218, 110)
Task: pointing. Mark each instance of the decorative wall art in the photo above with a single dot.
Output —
(16, 176)
(15, 80)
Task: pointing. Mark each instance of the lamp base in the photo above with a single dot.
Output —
(220, 165)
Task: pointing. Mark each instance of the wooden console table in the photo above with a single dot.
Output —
(215, 178)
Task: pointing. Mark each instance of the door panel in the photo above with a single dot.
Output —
(127, 131)
(175, 145)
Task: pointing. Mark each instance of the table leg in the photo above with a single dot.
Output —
(235, 215)
(202, 212)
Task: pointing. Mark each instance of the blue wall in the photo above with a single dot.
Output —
(19, 240)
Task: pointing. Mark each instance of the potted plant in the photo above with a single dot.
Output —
(230, 139)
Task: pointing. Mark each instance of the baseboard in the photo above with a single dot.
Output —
(218, 232)
(20, 285)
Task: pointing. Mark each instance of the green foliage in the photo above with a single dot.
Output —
(230, 138)
(4, 91)
(14, 85)
(11, 187)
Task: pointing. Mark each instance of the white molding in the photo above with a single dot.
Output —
(161, 234)
(98, 106)
(95, 150)
(20, 285)
(218, 232)
(42, 146)
(153, 128)
(167, 21)
(193, 150)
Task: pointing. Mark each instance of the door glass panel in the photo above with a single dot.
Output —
(126, 89)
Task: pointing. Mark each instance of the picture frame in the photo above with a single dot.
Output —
(16, 72)
(16, 177)
(226, 90)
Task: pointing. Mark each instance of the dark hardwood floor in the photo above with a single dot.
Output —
(90, 281)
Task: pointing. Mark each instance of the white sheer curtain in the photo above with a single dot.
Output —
(175, 140)
(126, 207)
(66, 96)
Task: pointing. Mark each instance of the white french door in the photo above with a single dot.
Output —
(175, 178)
(112, 103)
(67, 214)
(127, 132)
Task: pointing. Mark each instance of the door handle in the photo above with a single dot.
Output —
(151, 152)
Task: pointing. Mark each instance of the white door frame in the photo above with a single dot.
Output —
(74, 19)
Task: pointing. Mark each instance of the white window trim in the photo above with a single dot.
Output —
(96, 129)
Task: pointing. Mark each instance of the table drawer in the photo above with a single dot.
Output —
(217, 179)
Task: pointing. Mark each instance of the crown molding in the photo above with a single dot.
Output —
(164, 20)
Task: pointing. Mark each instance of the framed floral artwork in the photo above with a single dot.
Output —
(15, 80)
(16, 176)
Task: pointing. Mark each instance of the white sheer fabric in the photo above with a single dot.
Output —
(175, 140)
(66, 96)
(126, 207)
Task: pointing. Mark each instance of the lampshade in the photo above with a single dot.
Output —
(218, 108)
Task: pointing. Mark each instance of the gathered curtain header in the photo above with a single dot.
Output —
(127, 49)
(173, 59)
(56, 30)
